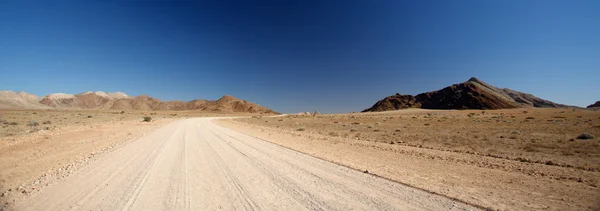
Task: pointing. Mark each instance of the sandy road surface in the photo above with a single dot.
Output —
(194, 164)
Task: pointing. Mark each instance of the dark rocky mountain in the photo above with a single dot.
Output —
(472, 94)
(595, 105)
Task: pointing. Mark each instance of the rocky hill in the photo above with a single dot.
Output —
(472, 94)
(20, 100)
(121, 101)
(595, 105)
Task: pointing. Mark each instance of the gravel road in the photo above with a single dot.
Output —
(193, 164)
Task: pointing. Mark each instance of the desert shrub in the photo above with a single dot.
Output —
(12, 123)
(147, 119)
(585, 136)
(530, 148)
(90, 116)
(122, 112)
(47, 122)
(300, 129)
(33, 124)
(333, 134)
(530, 117)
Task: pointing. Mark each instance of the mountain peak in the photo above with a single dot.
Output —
(227, 98)
(473, 79)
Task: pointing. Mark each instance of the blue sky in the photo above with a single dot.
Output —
(306, 55)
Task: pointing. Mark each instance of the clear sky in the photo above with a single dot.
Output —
(305, 55)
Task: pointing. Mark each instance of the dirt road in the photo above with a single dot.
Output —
(194, 164)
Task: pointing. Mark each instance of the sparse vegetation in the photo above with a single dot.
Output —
(585, 136)
(89, 116)
(300, 129)
(47, 122)
(147, 119)
(33, 123)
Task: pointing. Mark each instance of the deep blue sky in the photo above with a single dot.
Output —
(292, 56)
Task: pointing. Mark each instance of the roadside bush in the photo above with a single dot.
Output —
(585, 136)
(147, 119)
(33, 124)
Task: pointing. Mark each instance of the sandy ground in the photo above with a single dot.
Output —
(504, 159)
(35, 156)
(193, 164)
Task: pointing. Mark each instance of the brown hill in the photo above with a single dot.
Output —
(120, 101)
(232, 104)
(595, 105)
(472, 94)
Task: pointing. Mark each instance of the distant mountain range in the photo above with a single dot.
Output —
(472, 94)
(121, 101)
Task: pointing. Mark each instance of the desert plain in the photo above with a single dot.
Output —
(508, 159)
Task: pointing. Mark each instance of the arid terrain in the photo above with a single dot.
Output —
(537, 155)
(513, 159)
